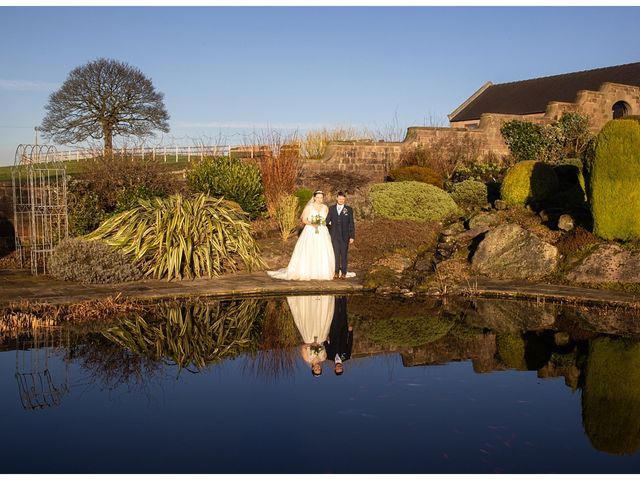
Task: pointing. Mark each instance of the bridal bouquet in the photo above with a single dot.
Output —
(316, 348)
(317, 220)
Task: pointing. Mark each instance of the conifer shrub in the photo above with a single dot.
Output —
(417, 174)
(232, 179)
(470, 194)
(412, 201)
(529, 182)
(614, 181)
(91, 261)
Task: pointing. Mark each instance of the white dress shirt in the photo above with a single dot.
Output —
(340, 207)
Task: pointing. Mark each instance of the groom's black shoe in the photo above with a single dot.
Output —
(336, 276)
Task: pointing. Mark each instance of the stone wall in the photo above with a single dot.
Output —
(374, 160)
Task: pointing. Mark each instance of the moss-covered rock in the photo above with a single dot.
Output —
(511, 350)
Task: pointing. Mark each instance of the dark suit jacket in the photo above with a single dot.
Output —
(342, 227)
(340, 339)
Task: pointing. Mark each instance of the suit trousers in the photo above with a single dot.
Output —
(340, 250)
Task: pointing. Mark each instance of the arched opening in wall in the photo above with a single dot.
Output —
(620, 109)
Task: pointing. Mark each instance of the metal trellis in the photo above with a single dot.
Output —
(39, 204)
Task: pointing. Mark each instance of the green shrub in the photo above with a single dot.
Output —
(128, 197)
(524, 139)
(470, 194)
(529, 182)
(611, 395)
(113, 177)
(303, 195)
(412, 201)
(614, 181)
(417, 174)
(409, 331)
(569, 136)
(83, 208)
(178, 237)
(232, 179)
(90, 261)
(482, 172)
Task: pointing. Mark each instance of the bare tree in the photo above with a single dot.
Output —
(102, 99)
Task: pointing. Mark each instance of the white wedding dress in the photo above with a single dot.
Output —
(312, 257)
(312, 315)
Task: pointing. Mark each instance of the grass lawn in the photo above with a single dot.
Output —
(76, 168)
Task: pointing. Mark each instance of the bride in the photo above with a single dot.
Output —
(312, 257)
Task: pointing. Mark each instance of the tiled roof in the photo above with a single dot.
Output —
(532, 96)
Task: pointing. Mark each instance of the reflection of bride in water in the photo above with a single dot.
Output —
(312, 315)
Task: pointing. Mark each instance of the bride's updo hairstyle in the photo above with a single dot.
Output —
(318, 192)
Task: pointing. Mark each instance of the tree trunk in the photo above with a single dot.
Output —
(108, 142)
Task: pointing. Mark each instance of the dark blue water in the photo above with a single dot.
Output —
(238, 416)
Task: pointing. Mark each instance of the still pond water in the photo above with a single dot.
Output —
(478, 386)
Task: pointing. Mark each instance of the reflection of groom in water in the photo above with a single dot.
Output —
(339, 343)
(343, 232)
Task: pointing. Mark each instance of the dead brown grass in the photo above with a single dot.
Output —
(376, 237)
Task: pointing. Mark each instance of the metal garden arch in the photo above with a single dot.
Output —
(39, 184)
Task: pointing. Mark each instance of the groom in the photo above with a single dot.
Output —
(343, 232)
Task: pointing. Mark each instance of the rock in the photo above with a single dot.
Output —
(561, 338)
(607, 263)
(512, 316)
(511, 252)
(500, 205)
(453, 230)
(397, 261)
(483, 220)
(544, 216)
(565, 222)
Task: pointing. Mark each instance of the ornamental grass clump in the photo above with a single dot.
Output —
(529, 182)
(91, 261)
(178, 237)
(614, 181)
(286, 215)
(194, 335)
(232, 179)
(412, 201)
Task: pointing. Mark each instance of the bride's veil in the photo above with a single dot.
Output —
(309, 203)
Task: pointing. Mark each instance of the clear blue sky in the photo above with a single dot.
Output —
(231, 70)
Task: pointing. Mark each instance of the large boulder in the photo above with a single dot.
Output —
(511, 252)
(607, 263)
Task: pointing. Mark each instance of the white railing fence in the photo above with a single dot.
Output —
(167, 153)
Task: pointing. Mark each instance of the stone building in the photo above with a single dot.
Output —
(601, 94)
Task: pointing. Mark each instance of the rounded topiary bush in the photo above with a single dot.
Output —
(528, 182)
(409, 331)
(470, 194)
(91, 261)
(412, 201)
(416, 174)
(614, 181)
